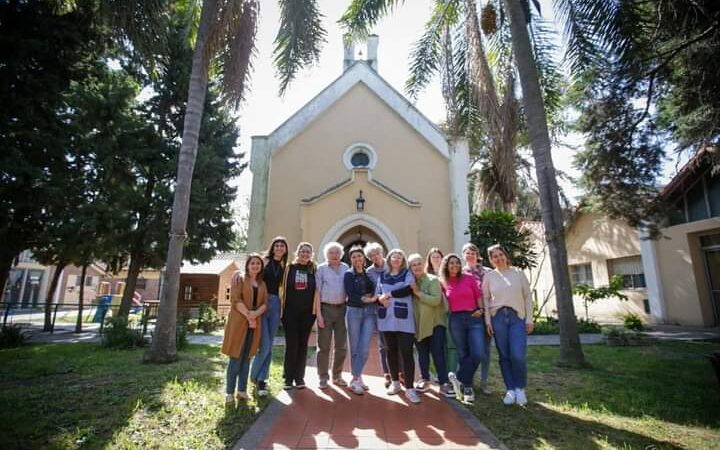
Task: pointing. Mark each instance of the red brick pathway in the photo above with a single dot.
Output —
(337, 418)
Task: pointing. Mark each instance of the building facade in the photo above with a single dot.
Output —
(359, 163)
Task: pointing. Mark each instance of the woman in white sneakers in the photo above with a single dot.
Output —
(509, 317)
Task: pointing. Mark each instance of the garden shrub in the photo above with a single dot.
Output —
(11, 336)
(118, 334)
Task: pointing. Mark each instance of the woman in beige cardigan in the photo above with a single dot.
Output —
(242, 330)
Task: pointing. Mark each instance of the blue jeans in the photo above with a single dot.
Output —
(511, 343)
(238, 368)
(485, 363)
(468, 333)
(270, 321)
(361, 324)
(382, 350)
(435, 345)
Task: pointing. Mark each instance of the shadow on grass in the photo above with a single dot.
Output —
(668, 381)
(81, 395)
(569, 432)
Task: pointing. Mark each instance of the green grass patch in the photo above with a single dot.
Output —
(655, 397)
(68, 396)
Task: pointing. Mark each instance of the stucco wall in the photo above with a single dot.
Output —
(682, 273)
(592, 239)
(407, 163)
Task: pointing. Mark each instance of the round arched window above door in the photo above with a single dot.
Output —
(360, 156)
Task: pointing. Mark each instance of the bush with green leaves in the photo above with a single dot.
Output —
(497, 227)
(11, 336)
(550, 325)
(591, 294)
(632, 321)
(208, 319)
(118, 334)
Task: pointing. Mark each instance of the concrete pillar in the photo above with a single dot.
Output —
(349, 52)
(459, 167)
(651, 269)
(260, 168)
(372, 47)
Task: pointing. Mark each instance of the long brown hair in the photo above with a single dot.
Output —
(428, 264)
(259, 276)
(270, 254)
(445, 272)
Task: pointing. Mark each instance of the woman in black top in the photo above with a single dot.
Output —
(298, 309)
(275, 263)
(361, 316)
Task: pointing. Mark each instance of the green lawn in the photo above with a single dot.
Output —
(660, 396)
(68, 396)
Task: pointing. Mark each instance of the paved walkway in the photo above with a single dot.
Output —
(337, 418)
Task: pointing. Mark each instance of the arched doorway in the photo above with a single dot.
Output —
(358, 235)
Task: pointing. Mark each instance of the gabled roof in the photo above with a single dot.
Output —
(212, 267)
(359, 72)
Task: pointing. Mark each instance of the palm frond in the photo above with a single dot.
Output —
(362, 15)
(591, 26)
(299, 39)
(240, 28)
(427, 53)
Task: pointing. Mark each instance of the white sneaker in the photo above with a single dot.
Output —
(509, 398)
(520, 397)
(362, 383)
(456, 384)
(394, 388)
(356, 388)
(412, 396)
(423, 385)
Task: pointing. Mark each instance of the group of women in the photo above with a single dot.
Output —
(410, 300)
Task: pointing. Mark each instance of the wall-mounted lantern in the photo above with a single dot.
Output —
(360, 202)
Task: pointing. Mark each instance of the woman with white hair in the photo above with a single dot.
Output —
(396, 320)
(331, 307)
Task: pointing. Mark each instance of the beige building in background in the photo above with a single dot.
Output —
(359, 163)
(671, 280)
(598, 248)
(683, 268)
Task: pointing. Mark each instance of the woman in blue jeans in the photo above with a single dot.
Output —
(275, 263)
(473, 266)
(509, 317)
(467, 326)
(361, 316)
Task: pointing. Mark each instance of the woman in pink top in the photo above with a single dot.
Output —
(467, 325)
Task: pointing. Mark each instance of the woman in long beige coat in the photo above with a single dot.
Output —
(242, 330)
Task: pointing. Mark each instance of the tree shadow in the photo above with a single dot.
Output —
(70, 395)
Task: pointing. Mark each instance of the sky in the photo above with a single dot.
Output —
(264, 110)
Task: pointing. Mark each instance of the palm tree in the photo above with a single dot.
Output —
(225, 38)
(585, 23)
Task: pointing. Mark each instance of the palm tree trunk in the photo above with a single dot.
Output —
(163, 348)
(81, 299)
(50, 294)
(571, 353)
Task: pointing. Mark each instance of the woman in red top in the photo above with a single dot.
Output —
(467, 324)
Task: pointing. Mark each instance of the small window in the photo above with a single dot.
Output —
(227, 293)
(140, 283)
(581, 274)
(697, 208)
(713, 193)
(360, 159)
(631, 271)
(89, 281)
(187, 294)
